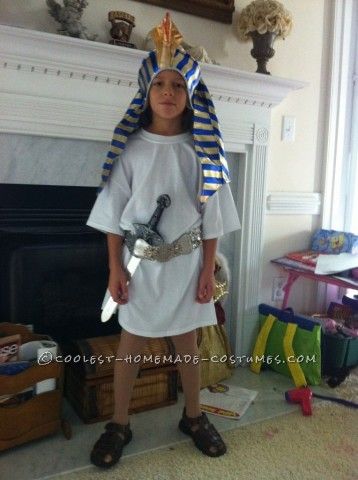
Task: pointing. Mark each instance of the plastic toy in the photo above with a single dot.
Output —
(303, 396)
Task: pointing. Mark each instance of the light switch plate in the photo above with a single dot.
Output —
(288, 128)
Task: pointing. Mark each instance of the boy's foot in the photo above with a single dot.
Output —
(108, 449)
(204, 434)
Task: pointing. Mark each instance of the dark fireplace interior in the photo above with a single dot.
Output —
(53, 268)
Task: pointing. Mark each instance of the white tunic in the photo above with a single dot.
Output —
(162, 295)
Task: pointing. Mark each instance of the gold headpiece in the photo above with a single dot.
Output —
(167, 38)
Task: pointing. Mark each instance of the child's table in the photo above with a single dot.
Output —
(295, 273)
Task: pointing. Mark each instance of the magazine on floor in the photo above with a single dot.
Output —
(226, 401)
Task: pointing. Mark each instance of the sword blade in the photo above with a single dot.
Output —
(133, 265)
(111, 306)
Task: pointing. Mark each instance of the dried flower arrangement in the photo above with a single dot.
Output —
(264, 16)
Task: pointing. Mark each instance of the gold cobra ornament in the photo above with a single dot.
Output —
(166, 38)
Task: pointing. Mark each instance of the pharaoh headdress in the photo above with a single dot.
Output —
(208, 143)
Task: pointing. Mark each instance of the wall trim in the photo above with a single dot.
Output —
(293, 203)
(46, 54)
(336, 178)
(338, 114)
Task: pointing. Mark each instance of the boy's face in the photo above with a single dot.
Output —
(168, 95)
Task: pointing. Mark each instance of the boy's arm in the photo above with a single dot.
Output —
(206, 284)
(117, 283)
(115, 246)
(209, 250)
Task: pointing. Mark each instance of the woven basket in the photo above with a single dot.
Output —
(89, 385)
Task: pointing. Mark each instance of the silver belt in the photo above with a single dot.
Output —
(182, 246)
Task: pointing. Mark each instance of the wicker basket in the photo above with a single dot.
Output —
(89, 384)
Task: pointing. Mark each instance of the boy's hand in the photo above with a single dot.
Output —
(206, 286)
(117, 285)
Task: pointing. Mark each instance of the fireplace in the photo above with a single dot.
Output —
(53, 267)
(59, 88)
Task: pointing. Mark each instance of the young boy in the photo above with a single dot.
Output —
(168, 143)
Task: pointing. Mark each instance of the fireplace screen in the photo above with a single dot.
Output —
(53, 268)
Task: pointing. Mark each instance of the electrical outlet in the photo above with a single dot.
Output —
(277, 288)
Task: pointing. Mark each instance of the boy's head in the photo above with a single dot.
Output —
(179, 75)
(161, 78)
(181, 63)
(168, 100)
(168, 94)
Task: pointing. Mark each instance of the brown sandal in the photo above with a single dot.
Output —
(108, 449)
(204, 434)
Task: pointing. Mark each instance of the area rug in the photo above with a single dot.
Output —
(323, 446)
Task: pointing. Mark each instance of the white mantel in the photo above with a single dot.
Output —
(50, 83)
(58, 86)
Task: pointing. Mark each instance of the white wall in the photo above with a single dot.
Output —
(298, 166)
(302, 56)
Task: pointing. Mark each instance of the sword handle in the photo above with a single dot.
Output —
(163, 201)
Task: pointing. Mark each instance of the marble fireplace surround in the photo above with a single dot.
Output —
(61, 87)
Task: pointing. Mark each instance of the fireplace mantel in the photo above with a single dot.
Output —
(58, 86)
(65, 87)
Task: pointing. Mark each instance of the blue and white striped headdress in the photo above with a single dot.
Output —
(208, 143)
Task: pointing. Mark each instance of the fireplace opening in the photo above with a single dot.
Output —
(53, 267)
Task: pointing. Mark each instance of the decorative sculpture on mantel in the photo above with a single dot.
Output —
(122, 25)
(69, 16)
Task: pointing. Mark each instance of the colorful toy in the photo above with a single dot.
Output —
(334, 242)
(303, 396)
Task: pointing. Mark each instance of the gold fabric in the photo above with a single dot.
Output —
(167, 38)
(213, 342)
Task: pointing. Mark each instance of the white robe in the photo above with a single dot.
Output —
(162, 295)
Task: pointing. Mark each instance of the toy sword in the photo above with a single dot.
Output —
(145, 234)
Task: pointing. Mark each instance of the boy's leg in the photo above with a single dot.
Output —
(193, 422)
(186, 347)
(108, 448)
(125, 373)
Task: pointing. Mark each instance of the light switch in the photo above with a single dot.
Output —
(288, 129)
